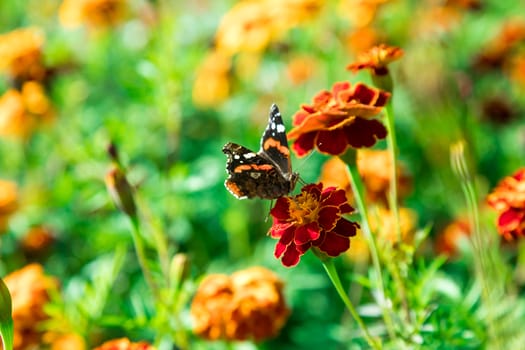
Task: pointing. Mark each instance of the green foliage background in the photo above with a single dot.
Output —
(133, 86)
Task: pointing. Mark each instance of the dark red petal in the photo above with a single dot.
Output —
(328, 217)
(334, 198)
(313, 189)
(304, 143)
(510, 220)
(364, 133)
(334, 244)
(306, 233)
(284, 230)
(346, 228)
(364, 94)
(291, 256)
(332, 142)
(280, 248)
(281, 209)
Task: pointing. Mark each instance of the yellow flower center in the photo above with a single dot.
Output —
(304, 208)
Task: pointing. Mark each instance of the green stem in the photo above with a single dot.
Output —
(334, 277)
(358, 190)
(141, 256)
(392, 149)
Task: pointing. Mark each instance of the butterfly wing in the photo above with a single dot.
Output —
(274, 143)
(252, 175)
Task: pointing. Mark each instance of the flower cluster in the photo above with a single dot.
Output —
(21, 54)
(124, 344)
(30, 291)
(339, 119)
(312, 219)
(508, 199)
(249, 304)
(95, 14)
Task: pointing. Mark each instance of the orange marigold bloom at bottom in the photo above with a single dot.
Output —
(124, 344)
(508, 199)
(29, 289)
(249, 304)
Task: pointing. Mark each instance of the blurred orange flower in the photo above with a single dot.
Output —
(95, 14)
(508, 199)
(249, 304)
(124, 344)
(362, 39)
(8, 202)
(339, 119)
(64, 341)
(212, 82)
(360, 12)
(37, 239)
(300, 69)
(251, 25)
(376, 59)
(30, 291)
(449, 240)
(21, 54)
(382, 223)
(21, 111)
(516, 70)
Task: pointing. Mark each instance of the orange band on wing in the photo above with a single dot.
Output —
(273, 143)
(245, 167)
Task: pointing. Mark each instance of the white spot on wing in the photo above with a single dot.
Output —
(280, 128)
(255, 175)
(249, 155)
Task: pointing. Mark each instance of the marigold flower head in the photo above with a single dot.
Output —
(96, 14)
(8, 202)
(64, 341)
(339, 119)
(449, 240)
(21, 111)
(37, 240)
(311, 219)
(376, 59)
(249, 304)
(508, 199)
(30, 291)
(21, 54)
(124, 344)
(382, 223)
(212, 83)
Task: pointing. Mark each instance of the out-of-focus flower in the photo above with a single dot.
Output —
(64, 341)
(37, 239)
(120, 191)
(124, 344)
(212, 83)
(95, 14)
(339, 119)
(436, 18)
(312, 219)
(508, 199)
(360, 12)
(8, 202)
(515, 70)
(251, 25)
(29, 289)
(334, 174)
(21, 54)
(362, 39)
(376, 59)
(249, 304)
(300, 69)
(500, 48)
(21, 111)
(449, 240)
(375, 168)
(382, 224)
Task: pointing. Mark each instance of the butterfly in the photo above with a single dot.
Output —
(266, 174)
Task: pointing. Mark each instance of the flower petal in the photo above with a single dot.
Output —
(334, 244)
(281, 210)
(332, 142)
(364, 133)
(306, 233)
(304, 143)
(328, 217)
(291, 256)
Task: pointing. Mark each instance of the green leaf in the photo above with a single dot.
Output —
(6, 321)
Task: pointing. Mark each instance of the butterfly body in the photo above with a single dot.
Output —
(267, 173)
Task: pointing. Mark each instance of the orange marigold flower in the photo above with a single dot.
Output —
(96, 14)
(21, 111)
(30, 291)
(360, 12)
(300, 69)
(251, 25)
(64, 341)
(382, 223)
(212, 83)
(8, 202)
(124, 344)
(362, 39)
(21, 54)
(37, 239)
(508, 199)
(312, 219)
(249, 304)
(339, 119)
(449, 240)
(377, 59)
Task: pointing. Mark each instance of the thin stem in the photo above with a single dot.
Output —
(392, 149)
(357, 188)
(336, 281)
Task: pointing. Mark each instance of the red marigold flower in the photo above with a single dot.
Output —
(339, 119)
(376, 59)
(508, 199)
(313, 218)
